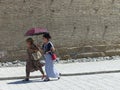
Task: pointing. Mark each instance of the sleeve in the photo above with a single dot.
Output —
(50, 45)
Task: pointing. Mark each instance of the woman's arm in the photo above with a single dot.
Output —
(41, 51)
(34, 48)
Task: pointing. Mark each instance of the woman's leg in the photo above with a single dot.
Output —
(47, 76)
(42, 72)
(27, 76)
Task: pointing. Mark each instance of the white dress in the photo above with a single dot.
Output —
(49, 66)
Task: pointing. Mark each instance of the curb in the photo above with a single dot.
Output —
(65, 75)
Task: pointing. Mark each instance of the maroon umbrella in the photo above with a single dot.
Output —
(36, 31)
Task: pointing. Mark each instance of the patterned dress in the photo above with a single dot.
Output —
(49, 66)
(31, 64)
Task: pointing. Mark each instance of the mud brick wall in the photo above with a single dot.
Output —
(78, 27)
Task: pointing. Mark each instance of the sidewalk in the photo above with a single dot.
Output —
(94, 81)
(89, 82)
(66, 69)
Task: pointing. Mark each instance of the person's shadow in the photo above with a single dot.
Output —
(26, 82)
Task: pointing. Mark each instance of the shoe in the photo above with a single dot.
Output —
(58, 78)
(47, 79)
(60, 74)
(26, 79)
(43, 76)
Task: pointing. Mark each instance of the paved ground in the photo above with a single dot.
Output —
(87, 82)
(109, 81)
(66, 68)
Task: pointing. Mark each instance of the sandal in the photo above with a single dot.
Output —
(58, 78)
(43, 76)
(47, 79)
(26, 79)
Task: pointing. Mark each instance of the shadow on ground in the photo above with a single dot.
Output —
(31, 81)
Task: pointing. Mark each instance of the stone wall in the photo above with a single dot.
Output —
(72, 23)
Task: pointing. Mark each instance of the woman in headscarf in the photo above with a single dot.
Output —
(31, 64)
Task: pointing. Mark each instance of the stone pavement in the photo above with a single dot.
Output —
(86, 79)
(88, 82)
(67, 69)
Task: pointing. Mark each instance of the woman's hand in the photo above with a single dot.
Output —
(35, 50)
(38, 45)
(48, 52)
(52, 49)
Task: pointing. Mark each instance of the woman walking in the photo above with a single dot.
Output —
(31, 64)
(48, 49)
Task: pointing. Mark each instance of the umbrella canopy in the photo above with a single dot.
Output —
(36, 31)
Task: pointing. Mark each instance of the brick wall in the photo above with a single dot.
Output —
(72, 23)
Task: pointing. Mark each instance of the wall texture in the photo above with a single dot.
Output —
(87, 25)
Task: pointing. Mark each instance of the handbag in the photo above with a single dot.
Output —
(37, 55)
(54, 56)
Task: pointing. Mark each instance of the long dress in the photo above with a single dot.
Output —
(49, 66)
(31, 64)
